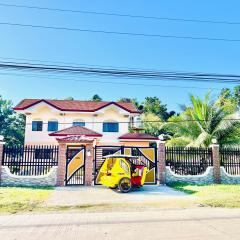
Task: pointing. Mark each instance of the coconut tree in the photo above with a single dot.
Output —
(202, 122)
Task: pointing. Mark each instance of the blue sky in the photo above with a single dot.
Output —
(119, 51)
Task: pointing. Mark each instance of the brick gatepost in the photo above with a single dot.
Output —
(216, 163)
(1, 156)
(61, 172)
(161, 162)
(89, 164)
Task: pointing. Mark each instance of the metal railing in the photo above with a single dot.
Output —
(30, 160)
(188, 161)
(230, 159)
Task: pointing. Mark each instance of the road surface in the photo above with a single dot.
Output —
(198, 223)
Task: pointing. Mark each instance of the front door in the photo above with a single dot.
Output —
(75, 165)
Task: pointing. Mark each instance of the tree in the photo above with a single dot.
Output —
(69, 98)
(152, 124)
(203, 121)
(132, 100)
(11, 124)
(236, 94)
(96, 98)
(155, 106)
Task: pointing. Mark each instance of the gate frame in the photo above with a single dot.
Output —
(84, 166)
(122, 152)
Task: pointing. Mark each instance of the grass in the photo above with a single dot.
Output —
(212, 195)
(17, 199)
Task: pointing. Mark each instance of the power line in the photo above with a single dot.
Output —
(75, 64)
(186, 76)
(156, 121)
(110, 82)
(121, 15)
(118, 33)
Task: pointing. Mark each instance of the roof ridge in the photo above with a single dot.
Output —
(75, 127)
(76, 105)
(74, 100)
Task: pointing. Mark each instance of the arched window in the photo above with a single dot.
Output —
(110, 126)
(52, 125)
(37, 125)
(79, 122)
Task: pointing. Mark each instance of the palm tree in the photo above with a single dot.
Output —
(202, 122)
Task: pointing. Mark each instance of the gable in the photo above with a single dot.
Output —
(75, 105)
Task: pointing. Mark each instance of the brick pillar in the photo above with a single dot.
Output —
(216, 163)
(161, 162)
(61, 172)
(1, 157)
(89, 164)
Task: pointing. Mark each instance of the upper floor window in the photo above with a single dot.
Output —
(110, 127)
(78, 123)
(52, 126)
(37, 125)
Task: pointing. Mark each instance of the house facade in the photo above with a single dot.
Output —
(107, 123)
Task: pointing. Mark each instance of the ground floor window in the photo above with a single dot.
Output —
(108, 151)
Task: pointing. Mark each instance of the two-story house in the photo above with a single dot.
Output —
(108, 123)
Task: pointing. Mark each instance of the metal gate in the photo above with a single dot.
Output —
(75, 165)
(147, 156)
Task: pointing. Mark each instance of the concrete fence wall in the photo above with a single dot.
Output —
(214, 174)
(206, 178)
(9, 179)
(227, 178)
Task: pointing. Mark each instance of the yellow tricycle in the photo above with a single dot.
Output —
(122, 172)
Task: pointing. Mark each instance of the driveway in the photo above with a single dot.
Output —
(185, 224)
(68, 196)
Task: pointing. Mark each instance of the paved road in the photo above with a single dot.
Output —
(103, 195)
(200, 223)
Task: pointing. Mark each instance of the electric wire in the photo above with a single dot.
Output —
(122, 15)
(136, 34)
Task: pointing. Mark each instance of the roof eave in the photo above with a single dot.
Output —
(73, 110)
(65, 135)
(142, 139)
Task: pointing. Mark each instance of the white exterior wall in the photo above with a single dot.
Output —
(94, 121)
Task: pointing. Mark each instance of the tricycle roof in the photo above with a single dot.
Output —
(119, 156)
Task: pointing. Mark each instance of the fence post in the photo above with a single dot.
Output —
(161, 162)
(216, 163)
(61, 172)
(1, 155)
(89, 164)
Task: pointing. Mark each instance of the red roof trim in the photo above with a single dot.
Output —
(115, 103)
(74, 110)
(75, 131)
(64, 135)
(37, 102)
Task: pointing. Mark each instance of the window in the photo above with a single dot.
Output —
(124, 166)
(52, 126)
(37, 125)
(110, 127)
(82, 124)
(109, 151)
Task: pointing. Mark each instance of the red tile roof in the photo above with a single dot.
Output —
(74, 139)
(137, 136)
(75, 105)
(76, 131)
